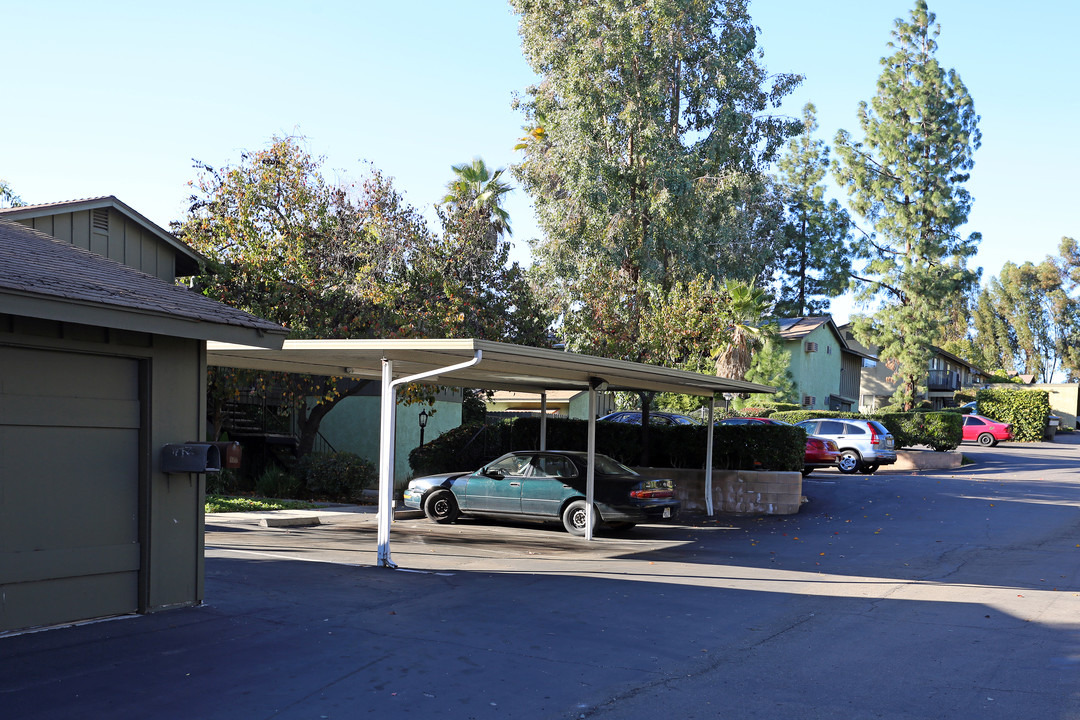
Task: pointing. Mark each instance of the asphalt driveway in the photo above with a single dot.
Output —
(896, 595)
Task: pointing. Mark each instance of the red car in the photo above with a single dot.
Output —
(820, 452)
(985, 431)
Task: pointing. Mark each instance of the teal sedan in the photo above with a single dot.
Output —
(545, 486)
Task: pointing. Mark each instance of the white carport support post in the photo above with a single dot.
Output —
(590, 474)
(709, 458)
(543, 421)
(387, 427)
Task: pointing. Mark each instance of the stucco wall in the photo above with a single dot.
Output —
(816, 373)
(353, 426)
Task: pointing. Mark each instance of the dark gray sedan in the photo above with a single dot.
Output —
(545, 486)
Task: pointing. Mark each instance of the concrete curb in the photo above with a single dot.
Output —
(927, 460)
(293, 521)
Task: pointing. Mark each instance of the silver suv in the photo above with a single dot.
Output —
(864, 445)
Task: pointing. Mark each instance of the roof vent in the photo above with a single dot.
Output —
(99, 219)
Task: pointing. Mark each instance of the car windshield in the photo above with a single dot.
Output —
(607, 466)
(510, 465)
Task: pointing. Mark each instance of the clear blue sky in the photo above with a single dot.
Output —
(116, 98)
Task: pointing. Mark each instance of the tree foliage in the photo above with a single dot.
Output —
(814, 260)
(644, 150)
(8, 198)
(770, 365)
(1027, 319)
(907, 180)
(348, 261)
(476, 188)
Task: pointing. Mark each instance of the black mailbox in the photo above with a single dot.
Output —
(190, 458)
(231, 454)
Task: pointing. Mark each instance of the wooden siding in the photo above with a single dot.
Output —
(850, 372)
(125, 242)
(69, 442)
(84, 411)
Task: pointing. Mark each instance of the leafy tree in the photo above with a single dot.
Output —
(347, 261)
(771, 365)
(1029, 318)
(907, 179)
(8, 198)
(644, 151)
(815, 261)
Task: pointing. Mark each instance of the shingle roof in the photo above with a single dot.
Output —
(188, 260)
(34, 264)
(793, 328)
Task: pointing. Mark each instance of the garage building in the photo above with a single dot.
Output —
(102, 363)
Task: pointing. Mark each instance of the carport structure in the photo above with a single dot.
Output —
(476, 364)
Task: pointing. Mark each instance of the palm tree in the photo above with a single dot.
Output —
(476, 187)
(747, 308)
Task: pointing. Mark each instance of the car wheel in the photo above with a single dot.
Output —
(849, 462)
(441, 507)
(987, 440)
(574, 517)
(871, 468)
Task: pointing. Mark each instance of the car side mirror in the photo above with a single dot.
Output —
(494, 474)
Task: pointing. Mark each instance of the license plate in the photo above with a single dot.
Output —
(667, 512)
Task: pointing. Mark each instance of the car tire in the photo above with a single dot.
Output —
(871, 468)
(441, 506)
(850, 462)
(987, 440)
(574, 517)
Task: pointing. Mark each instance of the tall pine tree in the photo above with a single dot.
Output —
(648, 137)
(815, 260)
(907, 180)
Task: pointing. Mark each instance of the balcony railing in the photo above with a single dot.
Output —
(943, 380)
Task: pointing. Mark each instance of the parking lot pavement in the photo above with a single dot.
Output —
(893, 595)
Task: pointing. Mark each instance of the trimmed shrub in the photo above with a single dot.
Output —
(225, 482)
(276, 482)
(939, 430)
(1025, 410)
(734, 447)
(337, 475)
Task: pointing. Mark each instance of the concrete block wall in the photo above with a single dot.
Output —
(735, 491)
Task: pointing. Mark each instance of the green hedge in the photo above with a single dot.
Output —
(1027, 411)
(735, 447)
(336, 475)
(939, 430)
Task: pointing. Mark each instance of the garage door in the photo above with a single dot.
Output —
(69, 486)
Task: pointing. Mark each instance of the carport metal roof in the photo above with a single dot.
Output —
(479, 364)
(504, 366)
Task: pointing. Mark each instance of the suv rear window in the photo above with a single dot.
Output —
(854, 429)
(879, 427)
